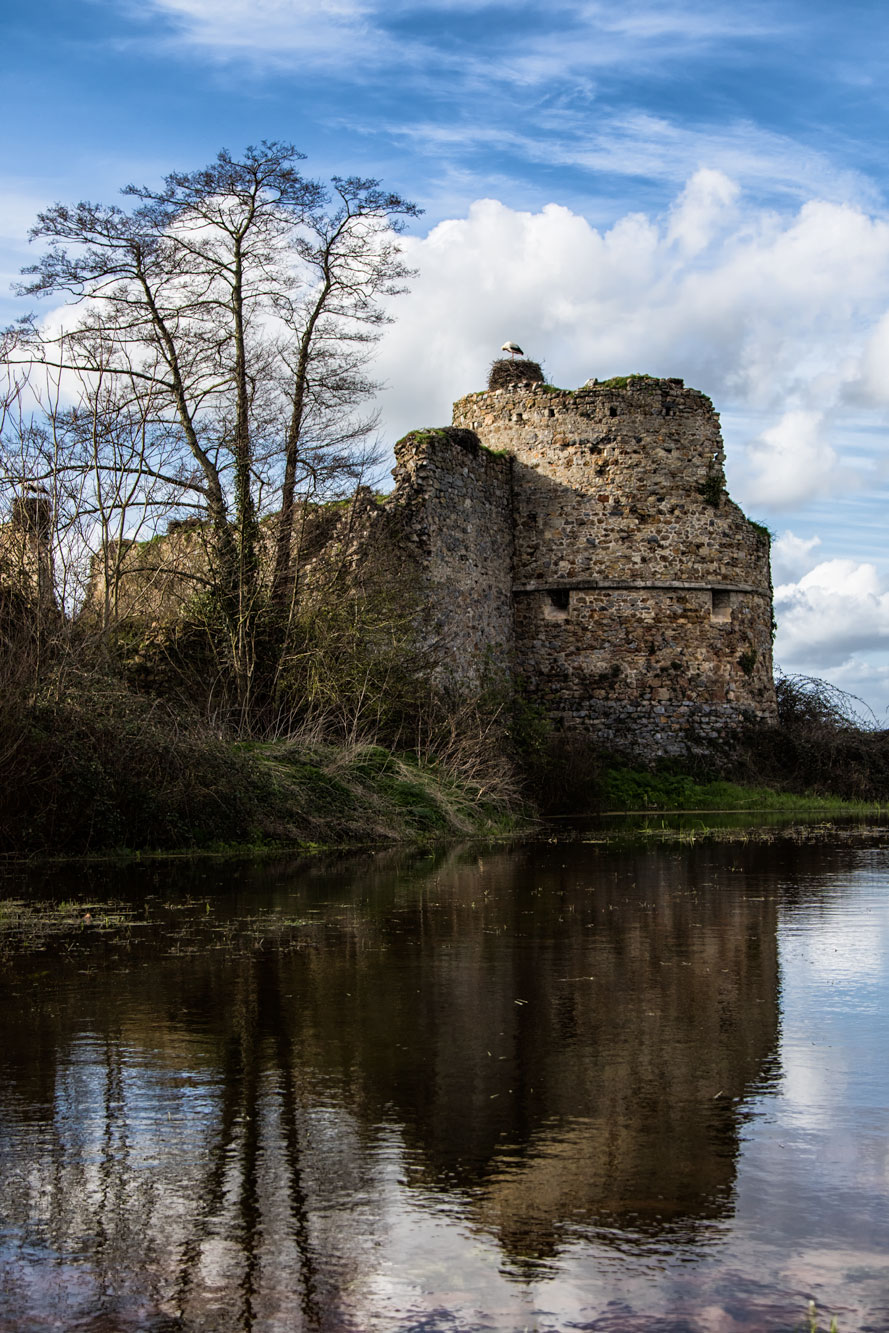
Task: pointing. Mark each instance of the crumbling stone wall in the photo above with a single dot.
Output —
(157, 581)
(149, 581)
(26, 563)
(642, 593)
(453, 504)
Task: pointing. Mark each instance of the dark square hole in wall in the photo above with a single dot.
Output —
(720, 604)
(560, 598)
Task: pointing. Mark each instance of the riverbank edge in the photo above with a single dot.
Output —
(820, 828)
(325, 800)
(252, 798)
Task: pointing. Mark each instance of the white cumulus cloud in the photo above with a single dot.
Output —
(793, 461)
(792, 556)
(835, 611)
(705, 207)
(774, 315)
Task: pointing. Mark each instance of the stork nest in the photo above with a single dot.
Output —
(510, 372)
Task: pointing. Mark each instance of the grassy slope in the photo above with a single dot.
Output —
(97, 767)
(76, 781)
(364, 794)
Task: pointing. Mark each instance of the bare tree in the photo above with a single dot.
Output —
(349, 259)
(228, 319)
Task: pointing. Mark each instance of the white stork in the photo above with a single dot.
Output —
(513, 349)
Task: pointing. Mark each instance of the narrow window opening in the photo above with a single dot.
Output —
(557, 603)
(720, 605)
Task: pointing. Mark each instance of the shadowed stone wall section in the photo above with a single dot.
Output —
(453, 500)
(645, 666)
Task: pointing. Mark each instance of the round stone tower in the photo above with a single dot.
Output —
(642, 593)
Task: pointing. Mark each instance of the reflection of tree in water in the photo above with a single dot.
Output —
(558, 1042)
(169, 1172)
(233, 1197)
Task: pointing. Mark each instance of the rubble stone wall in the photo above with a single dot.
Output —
(26, 561)
(642, 594)
(645, 667)
(453, 503)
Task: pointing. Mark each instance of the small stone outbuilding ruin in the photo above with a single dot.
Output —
(585, 541)
(26, 564)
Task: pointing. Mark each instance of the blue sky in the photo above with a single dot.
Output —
(685, 189)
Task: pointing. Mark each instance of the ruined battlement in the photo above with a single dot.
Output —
(619, 482)
(641, 594)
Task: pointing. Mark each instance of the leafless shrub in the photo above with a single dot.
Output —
(826, 741)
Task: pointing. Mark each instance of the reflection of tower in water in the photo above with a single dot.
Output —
(589, 1070)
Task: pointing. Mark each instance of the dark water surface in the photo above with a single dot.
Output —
(554, 1087)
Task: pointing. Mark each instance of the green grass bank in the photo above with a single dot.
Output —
(628, 789)
(113, 771)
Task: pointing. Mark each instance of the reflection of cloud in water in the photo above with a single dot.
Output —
(844, 949)
(810, 1094)
(433, 1262)
(508, 1093)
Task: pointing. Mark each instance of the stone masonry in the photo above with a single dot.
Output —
(26, 563)
(453, 504)
(586, 539)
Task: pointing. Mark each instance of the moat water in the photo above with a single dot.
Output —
(560, 1086)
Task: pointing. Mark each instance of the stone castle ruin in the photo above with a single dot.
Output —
(581, 542)
(586, 541)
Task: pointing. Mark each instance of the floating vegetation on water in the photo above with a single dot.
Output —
(812, 1325)
(680, 829)
(185, 926)
(24, 922)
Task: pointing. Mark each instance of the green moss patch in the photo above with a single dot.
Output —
(634, 381)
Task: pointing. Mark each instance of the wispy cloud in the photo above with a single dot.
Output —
(590, 34)
(276, 34)
(653, 148)
(497, 52)
(688, 23)
(516, 90)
